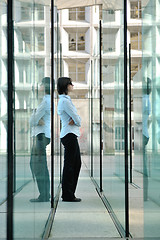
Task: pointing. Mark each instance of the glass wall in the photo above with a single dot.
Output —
(32, 118)
(95, 111)
(58, 72)
(3, 117)
(32, 53)
(113, 113)
(150, 117)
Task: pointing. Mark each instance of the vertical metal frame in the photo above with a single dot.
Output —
(130, 116)
(52, 103)
(91, 112)
(101, 106)
(60, 154)
(10, 146)
(126, 122)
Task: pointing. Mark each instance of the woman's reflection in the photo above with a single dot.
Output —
(41, 131)
(146, 111)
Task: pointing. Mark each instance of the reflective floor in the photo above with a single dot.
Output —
(88, 219)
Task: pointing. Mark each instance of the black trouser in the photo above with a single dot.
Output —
(72, 165)
(38, 164)
(145, 169)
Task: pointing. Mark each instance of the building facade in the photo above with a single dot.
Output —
(77, 54)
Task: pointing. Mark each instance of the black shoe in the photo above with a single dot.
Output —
(72, 200)
(39, 200)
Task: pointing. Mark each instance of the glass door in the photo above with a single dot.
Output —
(113, 115)
(3, 118)
(32, 118)
(151, 118)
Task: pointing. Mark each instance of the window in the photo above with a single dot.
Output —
(134, 69)
(39, 10)
(40, 41)
(77, 14)
(119, 138)
(77, 42)
(26, 12)
(23, 71)
(40, 68)
(77, 72)
(72, 42)
(26, 37)
(109, 42)
(100, 12)
(109, 15)
(136, 11)
(136, 40)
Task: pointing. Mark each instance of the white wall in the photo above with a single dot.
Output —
(87, 72)
(4, 73)
(94, 44)
(87, 14)
(65, 41)
(87, 41)
(95, 14)
(65, 16)
(17, 11)
(118, 41)
(66, 70)
(4, 43)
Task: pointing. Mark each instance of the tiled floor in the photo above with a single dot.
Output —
(88, 219)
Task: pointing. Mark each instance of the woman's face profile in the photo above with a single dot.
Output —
(70, 87)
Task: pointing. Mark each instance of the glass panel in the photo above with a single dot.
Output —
(72, 42)
(81, 72)
(40, 40)
(81, 41)
(136, 40)
(57, 156)
(76, 41)
(134, 69)
(109, 16)
(72, 71)
(25, 12)
(32, 119)
(77, 13)
(81, 13)
(113, 117)
(136, 11)
(57, 127)
(109, 40)
(95, 111)
(72, 14)
(3, 119)
(77, 71)
(145, 196)
(39, 12)
(151, 118)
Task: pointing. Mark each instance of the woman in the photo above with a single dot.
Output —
(70, 131)
(40, 124)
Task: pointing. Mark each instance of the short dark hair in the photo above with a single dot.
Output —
(147, 88)
(46, 83)
(62, 85)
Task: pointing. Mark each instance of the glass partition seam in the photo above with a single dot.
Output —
(91, 118)
(126, 122)
(108, 206)
(52, 103)
(130, 119)
(60, 123)
(100, 102)
(10, 72)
